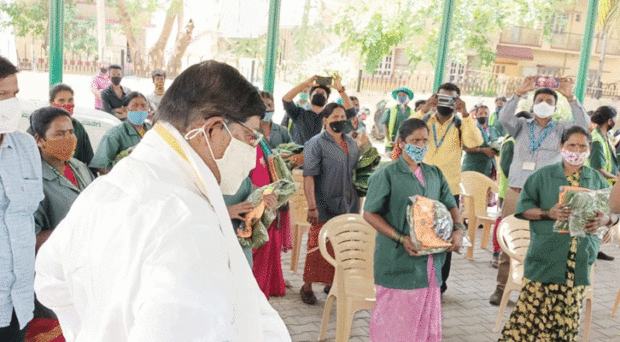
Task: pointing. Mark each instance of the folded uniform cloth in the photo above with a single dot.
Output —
(430, 225)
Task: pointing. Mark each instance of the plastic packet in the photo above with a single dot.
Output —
(584, 203)
(430, 225)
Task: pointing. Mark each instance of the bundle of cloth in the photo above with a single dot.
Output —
(292, 154)
(430, 225)
(370, 160)
(584, 204)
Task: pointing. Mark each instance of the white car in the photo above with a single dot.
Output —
(96, 122)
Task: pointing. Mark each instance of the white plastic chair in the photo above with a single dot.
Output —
(476, 186)
(353, 241)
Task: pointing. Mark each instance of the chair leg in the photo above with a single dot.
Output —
(502, 306)
(345, 320)
(613, 311)
(295, 234)
(486, 233)
(472, 226)
(587, 324)
(326, 313)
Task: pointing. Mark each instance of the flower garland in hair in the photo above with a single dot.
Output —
(396, 152)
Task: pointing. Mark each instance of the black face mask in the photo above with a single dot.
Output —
(337, 126)
(116, 80)
(445, 111)
(483, 121)
(318, 100)
(103, 70)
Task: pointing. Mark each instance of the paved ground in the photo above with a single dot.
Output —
(467, 314)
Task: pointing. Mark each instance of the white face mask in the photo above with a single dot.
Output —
(10, 112)
(235, 165)
(543, 110)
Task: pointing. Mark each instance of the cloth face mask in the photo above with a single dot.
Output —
(337, 126)
(10, 112)
(235, 165)
(61, 149)
(137, 117)
(543, 110)
(402, 99)
(268, 116)
(68, 107)
(416, 153)
(575, 158)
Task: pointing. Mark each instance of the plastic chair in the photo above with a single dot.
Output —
(353, 241)
(513, 236)
(616, 233)
(476, 185)
(299, 214)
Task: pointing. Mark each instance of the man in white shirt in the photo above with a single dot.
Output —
(148, 252)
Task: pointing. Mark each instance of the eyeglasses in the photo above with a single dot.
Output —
(257, 137)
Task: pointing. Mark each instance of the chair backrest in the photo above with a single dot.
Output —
(353, 241)
(476, 185)
(299, 205)
(513, 236)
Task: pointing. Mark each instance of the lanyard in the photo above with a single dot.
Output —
(438, 144)
(535, 144)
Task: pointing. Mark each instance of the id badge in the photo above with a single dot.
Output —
(529, 166)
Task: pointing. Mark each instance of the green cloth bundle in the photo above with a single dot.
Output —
(291, 153)
(367, 164)
(584, 203)
(283, 189)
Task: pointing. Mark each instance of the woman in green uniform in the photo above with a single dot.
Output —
(557, 266)
(64, 178)
(128, 134)
(482, 158)
(408, 295)
(274, 135)
(603, 157)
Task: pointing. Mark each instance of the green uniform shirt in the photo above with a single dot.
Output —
(389, 190)
(479, 162)
(495, 126)
(547, 254)
(401, 116)
(83, 149)
(277, 136)
(116, 140)
(505, 160)
(60, 194)
(601, 151)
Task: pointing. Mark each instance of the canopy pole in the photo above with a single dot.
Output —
(272, 45)
(586, 50)
(444, 42)
(56, 54)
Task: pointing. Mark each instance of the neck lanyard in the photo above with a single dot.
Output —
(438, 144)
(535, 144)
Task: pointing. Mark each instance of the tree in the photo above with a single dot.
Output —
(376, 26)
(608, 21)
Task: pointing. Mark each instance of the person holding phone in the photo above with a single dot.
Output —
(536, 142)
(308, 123)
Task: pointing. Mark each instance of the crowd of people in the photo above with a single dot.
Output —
(119, 237)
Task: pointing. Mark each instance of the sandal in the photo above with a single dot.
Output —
(307, 296)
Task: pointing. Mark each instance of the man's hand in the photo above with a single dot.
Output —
(461, 107)
(235, 211)
(489, 152)
(529, 84)
(337, 83)
(457, 241)
(430, 104)
(311, 82)
(566, 88)
(559, 212)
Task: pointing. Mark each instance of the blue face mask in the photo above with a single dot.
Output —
(416, 153)
(268, 116)
(402, 99)
(138, 117)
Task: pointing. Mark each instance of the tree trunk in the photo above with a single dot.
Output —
(137, 54)
(183, 40)
(157, 50)
(599, 74)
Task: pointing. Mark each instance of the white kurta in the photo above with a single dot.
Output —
(147, 253)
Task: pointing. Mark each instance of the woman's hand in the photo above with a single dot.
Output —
(410, 247)
(271, 201)
(457, 241)
(596, 222)
(489, 152)
(559, 212)
(235, 211)
(313, 217)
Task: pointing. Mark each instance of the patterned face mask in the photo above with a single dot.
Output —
(416, 153)
(575, 158)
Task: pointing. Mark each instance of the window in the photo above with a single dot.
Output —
(577, 17)
(558, 23)
(385, 67)
(548, 70)
(499, 69)
(456, 70)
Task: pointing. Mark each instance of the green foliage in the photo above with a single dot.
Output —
(375, 26)
(25, 18)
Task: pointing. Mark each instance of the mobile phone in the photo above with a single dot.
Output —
(547, 82)
(324, 81)
(446, 100)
